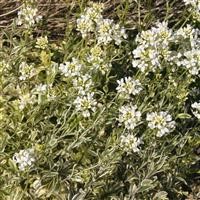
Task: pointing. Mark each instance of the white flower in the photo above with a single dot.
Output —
(161, 121)
(184, 32)
(187, 55)
(108, 31)
(159, 35)
(71, 69)
(192, 61)
(41, 88)
(146, 57)
(85, 104)
(42, 42)
(139, 64)
(162, 33)
(129, 116)
(130, 143)
(25, 158)
(94, 12)
(28, 16)
(105, 67)
(26, 71)
(87, 22)
(85, 25)
(189, 34)
(96, 55)
(196, 109)
(118, 34)
(128, 86)
(97, 59)
(153, 48)
(104, 29)
(192, 2)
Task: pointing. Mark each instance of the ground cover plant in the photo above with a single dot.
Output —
(107, 107)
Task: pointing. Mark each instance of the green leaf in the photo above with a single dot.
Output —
(162, 195)
(146, 184)
(183, 116)
(12, 165)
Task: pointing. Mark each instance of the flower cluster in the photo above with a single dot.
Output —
(196, 109)
(130, 143)
(108, 31)
(161, 121)
(105, 30)
(194, 8)
(41, 88)
(129, 116)
(192, 61)
(156, 49)
(189, 47)
(128, 86)
(86, 104)
(25, 158)
(86, 22)
(28, 16)
(183, 33)
(26, 71)
(187, 38)
(42, 42)
(71, 69)
(153, 47)
(97, 58)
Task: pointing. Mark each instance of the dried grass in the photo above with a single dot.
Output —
(57, 13)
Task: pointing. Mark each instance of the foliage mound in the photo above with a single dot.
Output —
(108, 109)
